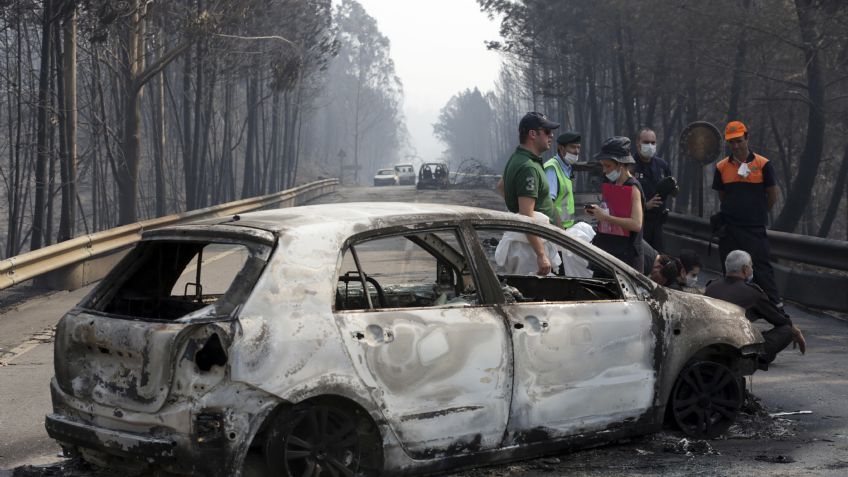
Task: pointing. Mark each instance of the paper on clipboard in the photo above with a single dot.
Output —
(619, 201)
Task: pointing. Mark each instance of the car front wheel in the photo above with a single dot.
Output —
(706, 399)
(316, 439)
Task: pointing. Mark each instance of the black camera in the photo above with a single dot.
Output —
(667, 187)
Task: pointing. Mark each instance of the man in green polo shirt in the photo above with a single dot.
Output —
(524, 184)
(560, 174)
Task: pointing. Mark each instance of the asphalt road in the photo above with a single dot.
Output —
(814, 443)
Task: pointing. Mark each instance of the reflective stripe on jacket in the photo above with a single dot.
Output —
(564, 191)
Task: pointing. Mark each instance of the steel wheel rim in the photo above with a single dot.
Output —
(706, 399)
(322, 441)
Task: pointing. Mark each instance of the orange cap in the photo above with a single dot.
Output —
(734, 129)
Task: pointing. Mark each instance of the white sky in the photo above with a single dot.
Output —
(438, 49)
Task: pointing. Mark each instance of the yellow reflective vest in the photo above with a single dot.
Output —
(565, 190)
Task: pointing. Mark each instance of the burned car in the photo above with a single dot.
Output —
(433, 175)
(381, 339)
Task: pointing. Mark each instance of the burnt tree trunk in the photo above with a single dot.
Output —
(160, 135)
(739, 62)
(42, 126)
(134, 75)
(808, 167)
(68, 93)
(250, 148)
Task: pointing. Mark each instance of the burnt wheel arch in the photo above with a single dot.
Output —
(293, 444)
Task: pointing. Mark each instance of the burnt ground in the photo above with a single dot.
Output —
(757, 445)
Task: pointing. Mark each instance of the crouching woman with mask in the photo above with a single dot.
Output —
(620, 216)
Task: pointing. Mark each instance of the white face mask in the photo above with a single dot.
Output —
(613, 175)
(648, 150)
(744, 170)
(691, 281)
(570, 158)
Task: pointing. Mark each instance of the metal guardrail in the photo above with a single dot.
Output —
(822, 289)
(817, 251)
(26, 266)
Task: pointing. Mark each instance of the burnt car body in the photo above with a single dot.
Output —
(386, 177)
(380, 339)
(433, 175)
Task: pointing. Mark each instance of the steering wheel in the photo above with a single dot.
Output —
(354, 277)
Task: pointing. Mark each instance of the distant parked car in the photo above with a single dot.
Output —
(381, 338)
(433, 175)
(406, 174)
(386, 177)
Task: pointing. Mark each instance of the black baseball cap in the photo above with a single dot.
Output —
(534, 120)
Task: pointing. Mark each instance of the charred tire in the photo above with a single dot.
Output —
(706, 399)
(323, 439)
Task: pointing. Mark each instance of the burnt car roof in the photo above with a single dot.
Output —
(355, 215)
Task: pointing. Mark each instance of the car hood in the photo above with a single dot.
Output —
(699, 318)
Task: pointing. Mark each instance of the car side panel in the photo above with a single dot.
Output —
(580, 367)
(287, 343)
(441, 375)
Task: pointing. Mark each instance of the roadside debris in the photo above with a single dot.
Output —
(74, 467)
(690, 448)
(789, 413)
(755, 422)
(775, 459)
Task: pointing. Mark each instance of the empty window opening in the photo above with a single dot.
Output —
(574, 276)
(181, 279)
(406, 271)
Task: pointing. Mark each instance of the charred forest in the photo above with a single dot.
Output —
(118, 111)
(612, 67)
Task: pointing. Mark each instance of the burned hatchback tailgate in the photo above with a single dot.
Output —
(174, 293)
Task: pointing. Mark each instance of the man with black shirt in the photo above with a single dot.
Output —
(649, 170)
(747, 189)
(736, 288)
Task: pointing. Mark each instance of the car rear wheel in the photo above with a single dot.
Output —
(706, 399)
(316, 439)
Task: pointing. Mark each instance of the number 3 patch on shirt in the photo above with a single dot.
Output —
(530, 183)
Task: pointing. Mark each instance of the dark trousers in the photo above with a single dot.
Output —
(754, 241)
(652, 231)
(776, 339)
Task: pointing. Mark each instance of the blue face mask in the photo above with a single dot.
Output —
(750, 278)
(614, 175)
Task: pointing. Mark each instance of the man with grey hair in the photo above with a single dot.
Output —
(738, 288)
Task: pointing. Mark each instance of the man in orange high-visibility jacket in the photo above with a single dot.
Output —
(747, 189)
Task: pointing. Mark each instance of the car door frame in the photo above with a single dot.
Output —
(632, 288)
(358, 352)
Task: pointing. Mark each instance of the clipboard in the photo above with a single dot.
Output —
(619, 201)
